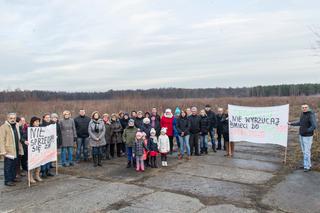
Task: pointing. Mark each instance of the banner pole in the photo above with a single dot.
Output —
(285, 156)
(229, 149)
(57, 166)
(29, 184)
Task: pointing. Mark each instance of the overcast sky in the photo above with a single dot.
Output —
(97, 45)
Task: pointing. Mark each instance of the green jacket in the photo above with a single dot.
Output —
(129, 136)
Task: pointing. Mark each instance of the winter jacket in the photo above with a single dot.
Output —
(204, 125)
(68, 132)
(225, 123)
(194, 124)
(129, 136)
(116, 130)
(183, 125)
(212, 118)
(139, 148)
(138, 122)
(156, 124)
(163, 144)
(175, 131)
(146, 128)
(219, 123)
(59, 135)
(7, 140)
(97, 133)
(167, 123)
(82, 124)
(124, 123)
(153, 144)
(307, 124)
(108, 133)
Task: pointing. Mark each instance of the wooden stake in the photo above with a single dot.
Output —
(285, 156)
(57, 167)
(29, 183)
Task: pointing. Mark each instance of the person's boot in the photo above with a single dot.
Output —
(152, 163)
(155, 163)
(214, 148)
(95, 160)
(206, 151)
(49, 174)
(129, 164)
(99, 160)
(37, 175)
(32, 179)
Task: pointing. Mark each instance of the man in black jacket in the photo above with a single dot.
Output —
(213, 124)
(219, 128)
(307, 125)
(82, 124)
(194, 120)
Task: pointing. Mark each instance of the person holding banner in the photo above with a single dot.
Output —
(97, 138)
(34, 122)
(69, 137)
(10, 148)
(45, 169)
(225, 134)
(307, 124)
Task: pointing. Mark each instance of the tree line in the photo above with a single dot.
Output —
(257, 91)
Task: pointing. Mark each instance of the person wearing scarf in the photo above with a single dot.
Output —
(97, 138)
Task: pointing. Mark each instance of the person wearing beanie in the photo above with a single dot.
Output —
(138, 151)
(167, 122)
(175, 131)
(146, 127)
(153, 148)
(97, 138)
(164, 146)
(128, 137)
(116, 135)
(82, 125)
(69, 137)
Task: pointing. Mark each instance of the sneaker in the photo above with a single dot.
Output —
(306, 170)
(162, 163)
(10, 184)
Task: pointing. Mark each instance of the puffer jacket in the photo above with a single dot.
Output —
(153, 144)
(97, 139)
(163, 144)
(204, 125)
(225, 123)
(183, 125)
(129, 136)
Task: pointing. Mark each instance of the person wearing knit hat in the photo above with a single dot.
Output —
(153, 148)
(138, 151)
(175, 131)
(167, 122)
(164, 146)
(128, 138)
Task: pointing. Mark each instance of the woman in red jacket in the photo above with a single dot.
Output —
(167, 122)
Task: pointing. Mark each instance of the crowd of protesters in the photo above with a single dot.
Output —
(141, 137)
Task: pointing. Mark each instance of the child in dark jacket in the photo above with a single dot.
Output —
(138, 151)
(204, 130)
(153, 148)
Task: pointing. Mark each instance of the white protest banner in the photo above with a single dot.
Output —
(42, 146)
(259, 124)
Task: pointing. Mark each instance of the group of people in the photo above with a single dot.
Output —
(139, 136)
(142, 137)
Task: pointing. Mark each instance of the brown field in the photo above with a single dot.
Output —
(38, 108)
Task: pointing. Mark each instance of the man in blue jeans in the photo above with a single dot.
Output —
(213, 124)
(82, 124)
(307, 124)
